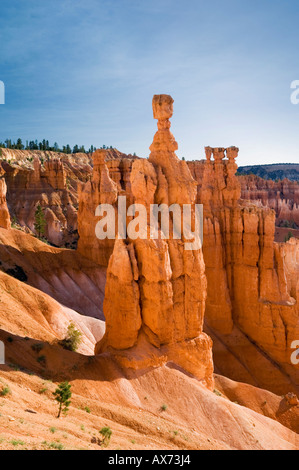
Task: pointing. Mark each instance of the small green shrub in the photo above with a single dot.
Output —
(37, 347)
(53, 445)
(106, 432)
(73, 339)
(5, 391)
(42, 360)
(288, 237)
(16, 443)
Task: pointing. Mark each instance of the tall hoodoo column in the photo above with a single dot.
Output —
(159, 313)
(55, 173)
(182, 188)
(4, 213)
(100, 190)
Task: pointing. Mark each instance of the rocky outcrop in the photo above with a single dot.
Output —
(122, 299)
(282, 196)
(55, 173)
(51, 180)
(289, 253)
(101, 189)
(4, 214)
(251, 279)
(33, 178)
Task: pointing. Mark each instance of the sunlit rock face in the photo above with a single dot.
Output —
(48, 179)
(281, 196)
(110, 178)
(4, 214)
(251, 279)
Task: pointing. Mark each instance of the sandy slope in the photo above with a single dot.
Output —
(65, 275)
(263, 402)
(195, 418)
(130, 402)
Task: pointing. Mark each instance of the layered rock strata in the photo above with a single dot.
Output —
(251, 279)
(281, 196)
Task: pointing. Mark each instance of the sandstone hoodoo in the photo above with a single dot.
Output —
(163, 287)
(4, 214)
(248, 291)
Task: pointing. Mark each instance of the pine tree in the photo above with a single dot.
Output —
(19, 144)
(40, 221)
(63, 396)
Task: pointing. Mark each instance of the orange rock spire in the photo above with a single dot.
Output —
(163, 287)
(4, 213)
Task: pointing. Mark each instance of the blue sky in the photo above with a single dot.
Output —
(84, 72)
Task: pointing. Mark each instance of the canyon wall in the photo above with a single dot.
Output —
(281, 196)
(50, 179)
(110, 179)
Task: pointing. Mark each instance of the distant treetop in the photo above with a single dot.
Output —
(45, 146)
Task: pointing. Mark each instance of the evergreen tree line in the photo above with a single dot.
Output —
(45, 146)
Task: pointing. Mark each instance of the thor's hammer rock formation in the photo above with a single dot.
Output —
(155, 290)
